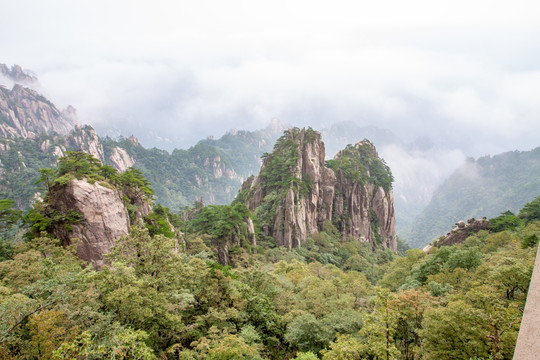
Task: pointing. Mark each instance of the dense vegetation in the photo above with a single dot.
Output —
(212, 170)
(485, 187)
(278, 174)
(333, 299)
(359, 164)
(20, 164)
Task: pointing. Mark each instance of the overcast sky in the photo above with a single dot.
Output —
(467, 71)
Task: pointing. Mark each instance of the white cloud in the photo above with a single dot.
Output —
(187, 69)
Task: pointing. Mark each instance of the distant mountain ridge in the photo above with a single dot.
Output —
(34, 134)
(16, 74)
(487, 187)
(25, 113)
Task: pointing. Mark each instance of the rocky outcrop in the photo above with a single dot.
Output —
(461, 232)
(304, 193)
(17, 74)
(25, 113)
(104, 218)
(216, 167)
(85, 138)
(96, 214)
(121, 159)
(246, 231)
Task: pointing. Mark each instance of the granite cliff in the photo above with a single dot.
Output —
(25, 113)
(460, 233)
(296, 192)
(104, 218)
(91, 204)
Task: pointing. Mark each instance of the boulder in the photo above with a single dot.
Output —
(104, 215)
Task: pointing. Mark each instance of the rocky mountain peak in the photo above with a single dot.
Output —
(17, 74)
(296, 192)
(104, 218)
(86, 139)
(25, 113)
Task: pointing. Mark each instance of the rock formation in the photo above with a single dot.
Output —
(296, 193)
(104, 218)
(25, 113)
(121, 159)
(17, 74)
(85, 138)
(461, 232)
(247, 232)
(101, 212)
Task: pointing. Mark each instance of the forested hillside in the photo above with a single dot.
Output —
(34, 133)
(168, 298)
(487, 187)
(211, 170)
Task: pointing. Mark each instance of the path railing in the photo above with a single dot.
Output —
(528, 342)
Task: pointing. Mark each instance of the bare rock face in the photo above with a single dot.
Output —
(25, 113)
(85, 138)
(308, 194)
(105, 218)
(245, 231)
(366, 210)
(121, 159)
(17, 74)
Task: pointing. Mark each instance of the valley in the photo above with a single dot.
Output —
(256, 245)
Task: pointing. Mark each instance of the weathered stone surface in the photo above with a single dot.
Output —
(463, 231)
(251, 232)
(85, 138)
(25, 113)
(245, 231)
(17, 74)
(121, 159)
(105, 218)
(332, 195)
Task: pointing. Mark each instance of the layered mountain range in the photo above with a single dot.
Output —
(485, 187)
(34, 133)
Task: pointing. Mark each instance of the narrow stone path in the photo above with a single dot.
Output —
(528, 342)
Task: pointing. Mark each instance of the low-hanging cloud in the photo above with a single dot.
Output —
(458, 73)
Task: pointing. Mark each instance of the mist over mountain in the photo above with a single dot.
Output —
(487, 186)
(348, 127)
(214, 168)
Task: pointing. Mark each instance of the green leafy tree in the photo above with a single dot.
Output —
(380, 327)
(506, 221)
(531, 211)
(307, 333)
(9, 218)
(346, 347)
(77, 164)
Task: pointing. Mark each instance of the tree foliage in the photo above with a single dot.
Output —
(166, 297)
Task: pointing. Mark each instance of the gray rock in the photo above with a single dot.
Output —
(105, 218)
(331, 195)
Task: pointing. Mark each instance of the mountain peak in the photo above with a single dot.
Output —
(18, 75)
(26, 113)
(305, 193)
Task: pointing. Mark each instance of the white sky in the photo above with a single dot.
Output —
(465, 71)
